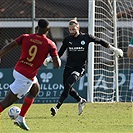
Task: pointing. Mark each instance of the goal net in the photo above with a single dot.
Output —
(125, 33)
(106, 66)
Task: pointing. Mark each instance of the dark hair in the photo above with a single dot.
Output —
(43, 23)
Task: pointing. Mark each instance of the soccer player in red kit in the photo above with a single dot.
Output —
(34, 50)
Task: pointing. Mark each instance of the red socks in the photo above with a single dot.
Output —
(26, 105)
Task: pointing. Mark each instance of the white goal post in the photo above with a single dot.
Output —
(109, 78)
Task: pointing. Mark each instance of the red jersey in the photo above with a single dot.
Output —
(34, 50)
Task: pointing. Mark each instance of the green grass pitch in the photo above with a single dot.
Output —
(96, 118)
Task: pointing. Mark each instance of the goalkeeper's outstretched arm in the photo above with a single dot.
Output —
(118, 52)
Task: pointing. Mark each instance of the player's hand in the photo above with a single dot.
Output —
(47, 60)
(118, 52)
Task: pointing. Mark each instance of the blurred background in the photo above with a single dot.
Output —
(21, 16)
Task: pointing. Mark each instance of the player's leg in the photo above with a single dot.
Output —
(81, 101)
(20, 87)
(68, 83)
(8, 100)
(75, 76)
(28, 100)
(66, 74)
(73, 92)
(68, 88)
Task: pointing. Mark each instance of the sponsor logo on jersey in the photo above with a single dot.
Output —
(76, 48)
(82, 42)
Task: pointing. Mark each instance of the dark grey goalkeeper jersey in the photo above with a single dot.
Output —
(77, 48)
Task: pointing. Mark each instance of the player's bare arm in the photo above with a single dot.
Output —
(130, 49)
(130, 52)
(56, 61)
(7, 48)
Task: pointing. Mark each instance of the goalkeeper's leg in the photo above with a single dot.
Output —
(68, 90)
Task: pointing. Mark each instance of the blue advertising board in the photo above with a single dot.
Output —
(51, 85)
(50, 81)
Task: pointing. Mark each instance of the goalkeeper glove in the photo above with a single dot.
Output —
(47, 60)
(118, 52)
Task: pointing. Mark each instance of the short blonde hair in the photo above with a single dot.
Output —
(74, 21)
